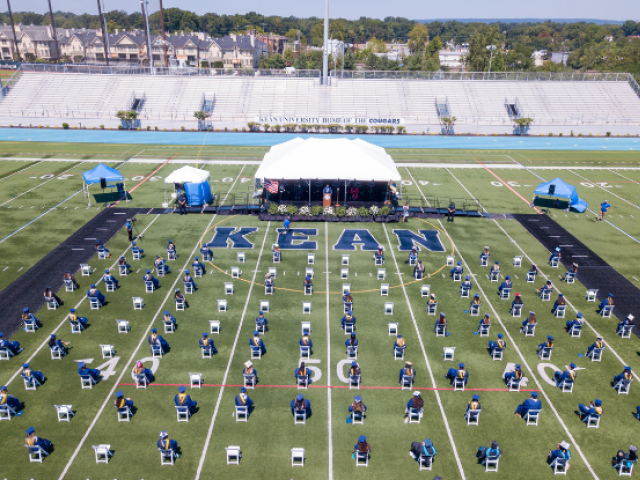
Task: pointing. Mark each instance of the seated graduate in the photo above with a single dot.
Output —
(351, 344)
(198, 267)
(548, 345)
(594, 408)
(256, 343)
(171, 249)
(348, 319)
(147, 277)
(169, 319)
(268, 283)
(571, 273)
(562, 455)
(137, 250)
(362, 447)
(9, 400)
(206, 252)
(466, 285)
(515, 375)
(555, 256)
(459, 372)
(347, 298)
(625, 323)
(56, 343)
(607, 302)
(626, 460)
(183, 399)
(418, 270)
(413, 255)
(76, 320)
(506, 284)
(626, 377)
(400, 345)
(122, 403)
(497, 346)
(156, 340)
(355, 373)
(261, 321)
(83, 371)
(11, 345)
(305, 341)
(29, 374)
(425, 448)
(485, 254)
(475, 301)
(49, 296)
(598, 344)
(415, 404)
(495, 269)
(301, 404)
(531, 403)
(33, 440)
(160, 262)
(546, 288)
(276, 252)
(357, 407)
(207, 345)
(243, 400)
(188, 279)
(473, 405)
(122, 264)
(165, 444)
(516, 301)
(533, 270)
(432, 300)
(101, 248)
(458, 269)
(568, 376)
(408, 372)
(379, 254)
(69, 279)
(484, 321)
(491, 453)
(108, 278)
(95, 293)
(140, 369)
(179, 297)
(308, 284)
(250, 373)
(529, 324)
(577, 322)
(560, 302)
(302, 373)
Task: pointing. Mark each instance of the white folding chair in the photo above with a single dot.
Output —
(545, 295)
(85, 270)
(349, 328)
(345, 260)
(76, 327)
(458, 384)
(425, 290)
(354, 382)
(513, 385)
(123, 270)
(111, 286)
(357, 418)
(517, 262)
(157, 351)
(242, 413)
(425, 462)
(64, 413)
(167, 457)
(309, 271)
(124, 414)
(362, 459)
(570, 277)
(233, 455)
(505, 293)
(214, 326)
(484, 261)
(407, 382)
(596, 354)
(256, 353)
(249, 381)
(575, 331)
(56, 353)
(123, 326)
(103, 452)
(273, 271)
(625, 470)
(473, 417)
(94, 304)
(516, 310)
(149, 287)
(241, 257)
(306, 308)
(31, 383)
(440, 330)
(475, 310)
(531, 277)
(560, 311)
(135, 254)
(592, 295)
(384, 290)
(137, 303)
(592, 421)
(450, 260)
(448, 353)
(464, 292)
(6, 412)
(545, 353)
(300, 417)
(107, 351)
(491, 465)
(483, 330)
(626, 331)
(171, 255)
(606, 311)
(432, 308)
(53, 304)
(305, 326)
(169, 327)
(69, 286)
(398, 353)
(494, 276)
(228, 288)
(559, 468)
(415, 415)
(311, 258)
(305, 351)
(344, 273)
(392, 329)
(195, 380)
(268, 289)
(222, 306)
(566, 387)
(183, 413)
(531, 417)
(141, 381)
(188, 288)
(457, 277)
(235, 272)
(87, 381)
(388, 308)
(382, 273)
(554, 262)
(496, 355)
(36, 454)
(352, 352)
(265, 306)
(161, 270)
(302, 382)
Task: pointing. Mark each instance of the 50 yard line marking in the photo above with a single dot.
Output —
(515, 346)
(326, 252)
(135, 351)
(424, 353)
(233, 350)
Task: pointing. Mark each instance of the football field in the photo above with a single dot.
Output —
(41, 204)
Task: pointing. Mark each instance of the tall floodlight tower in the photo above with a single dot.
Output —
(325, 49)
(145, 15)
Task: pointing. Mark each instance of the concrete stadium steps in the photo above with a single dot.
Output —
(241, 97)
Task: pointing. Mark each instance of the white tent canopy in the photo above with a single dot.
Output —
(188, 175)
(339, 159)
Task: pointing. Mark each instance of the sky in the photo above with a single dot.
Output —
(353, 9)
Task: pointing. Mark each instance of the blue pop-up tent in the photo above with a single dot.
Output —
(101, 171)
(193, 182)
(557, 188)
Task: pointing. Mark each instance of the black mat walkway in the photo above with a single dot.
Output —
(77, 249)
(593, 272)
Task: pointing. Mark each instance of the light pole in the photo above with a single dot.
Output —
(491, 48)
(145, 15)
(325, 49)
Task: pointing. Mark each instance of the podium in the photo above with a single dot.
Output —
(326, 200)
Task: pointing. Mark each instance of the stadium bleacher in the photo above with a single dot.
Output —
(243, 98)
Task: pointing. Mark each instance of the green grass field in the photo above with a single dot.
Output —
(269, 435)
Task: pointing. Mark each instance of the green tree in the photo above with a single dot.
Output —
(418, 38)
(523, 124)
(288, 56)
(434, 47)
(378, 45)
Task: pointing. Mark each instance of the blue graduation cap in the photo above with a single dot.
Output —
(181, 389)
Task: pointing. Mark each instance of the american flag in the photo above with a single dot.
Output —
(271, 186)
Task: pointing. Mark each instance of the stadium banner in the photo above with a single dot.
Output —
(371, 122)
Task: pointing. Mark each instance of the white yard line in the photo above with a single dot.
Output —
(21, 170)
(326, 252)
(46, 341)
(126, 367)
(515, 346)
(43, 183)
(424, 353)
(608, 191)
(630, 179)
(233, 350)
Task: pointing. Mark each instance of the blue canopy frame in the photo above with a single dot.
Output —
(563, 190)
(96, 174)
